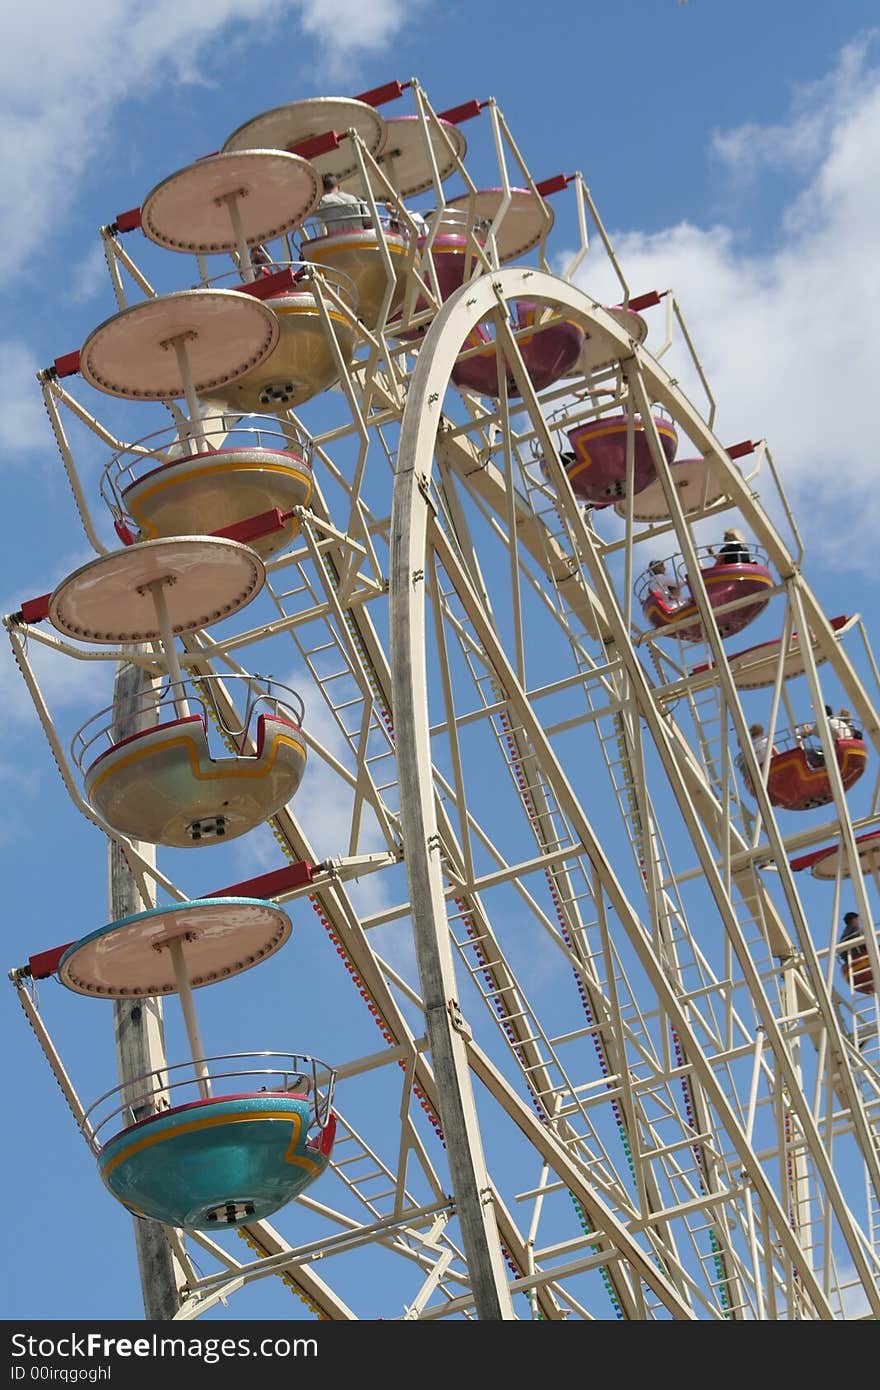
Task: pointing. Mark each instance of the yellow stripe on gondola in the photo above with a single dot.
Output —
(285, 310)
(712, 580)
(362, 244)
(136, 505)
(581, 444)
(147, 1141)
(183, 740)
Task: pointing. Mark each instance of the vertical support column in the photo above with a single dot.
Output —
(175, 675)
(245, 263)
(196, 422)
(193, 1033)
(140, 1042)
(445, 1026)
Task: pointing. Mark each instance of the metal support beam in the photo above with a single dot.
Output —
(140, 1044)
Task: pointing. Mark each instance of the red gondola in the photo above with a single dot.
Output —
(724, 582)
(597, 466)
(549, 352)
(797, 779)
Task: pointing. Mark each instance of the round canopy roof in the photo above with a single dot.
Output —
(206, 578)
(273, 193)
(405, 161)
(755, 667)
(286, 126)
(527, 218)
(223, 334)
(825, 863)
(698, 485)
(220, 937)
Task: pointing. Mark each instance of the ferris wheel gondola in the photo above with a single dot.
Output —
(797, 779)
(214, 1141)
(164, 485)
(737, 592)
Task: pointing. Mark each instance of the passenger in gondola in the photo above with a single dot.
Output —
(261, 261)
(852, 927)
(814, 750)
(668, 590)
(397, 224)
(734, 551)
(759, 742)
(339, 211)
(841, 724)
(854, 961)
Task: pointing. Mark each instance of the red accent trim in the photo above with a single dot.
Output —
(261, 728)
(268, 285)
(806, 861)
(68, 365)
(253, 527)
(318, 144)
(125, 533)
(466, 112)
(142, 733)
(554, 184)
(45, 963)
(271, 885)
(128, 221)
(34, 610)
(645, 301)
(328, 1134)
(736, 451)
(377, 96)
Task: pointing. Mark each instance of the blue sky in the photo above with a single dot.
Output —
(732, 152)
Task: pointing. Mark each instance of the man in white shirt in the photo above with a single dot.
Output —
(759, 741)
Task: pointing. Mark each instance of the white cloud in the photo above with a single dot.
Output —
(786, 335)
(347, 26)
(23, 427)
(63, 73)
(88, 276)
(796, 144)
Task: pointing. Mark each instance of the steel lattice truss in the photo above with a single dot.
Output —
(604, 1063)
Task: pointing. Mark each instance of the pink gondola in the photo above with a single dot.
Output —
(548, 352)
(725, 583)
(596, 465)
(797, 779)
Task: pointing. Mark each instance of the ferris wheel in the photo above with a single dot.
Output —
(553, 855)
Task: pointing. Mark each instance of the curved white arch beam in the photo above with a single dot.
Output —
(411, 524)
